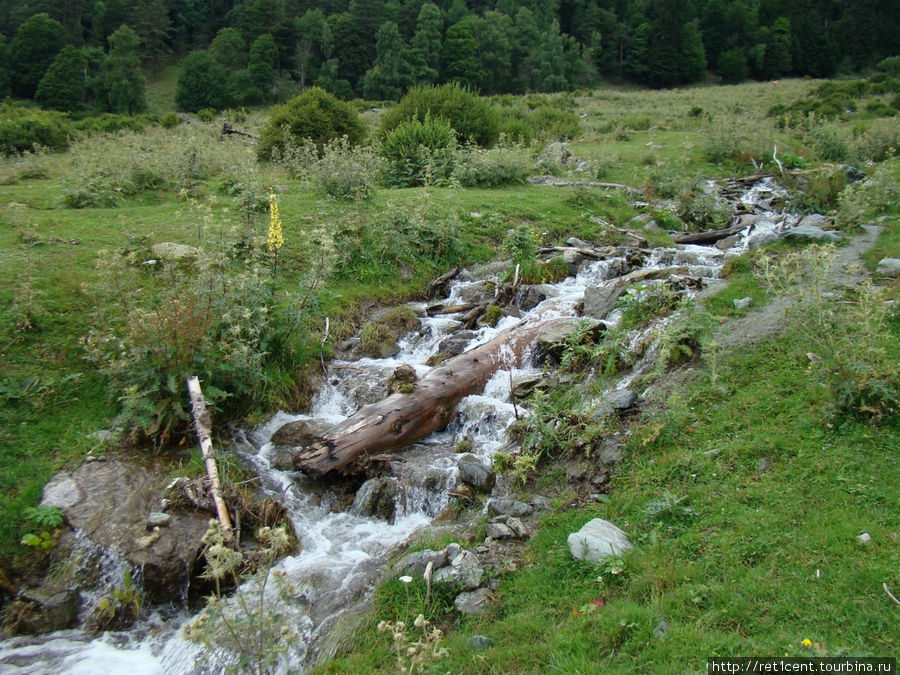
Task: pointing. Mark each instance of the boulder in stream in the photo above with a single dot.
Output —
(110, 503)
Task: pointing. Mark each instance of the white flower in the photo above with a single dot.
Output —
(406, 579)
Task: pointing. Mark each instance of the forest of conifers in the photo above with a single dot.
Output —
(259, 51)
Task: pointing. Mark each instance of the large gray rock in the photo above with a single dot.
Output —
(110, 503)
(556, 154)
(472, 602)
(599, 300)
(889, 267)
(809, 233)
(299, 433)
(764, 235)
(464, 569)
(43, 610)
(620, 399)
(523, 385)
(598, 539)
(475, 472)
(456, 343)
(814, 220)
(529, 297)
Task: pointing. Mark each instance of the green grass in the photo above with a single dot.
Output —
(766, 558)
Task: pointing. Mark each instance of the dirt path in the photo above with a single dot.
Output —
(764, 322)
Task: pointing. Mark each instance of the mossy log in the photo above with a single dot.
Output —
(401, 419)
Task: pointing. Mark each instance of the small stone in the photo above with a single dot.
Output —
(148, 541)
(479, 643)
(158, 519)
(864, 538)
(540, 502)
(61, 492)
(762, 465)
(518, 528)
(464, 569)
(621, 399)
(523, 385)
(889, 267)
(742, 303)
(498, 531)
(103, 436)
(473, 602)
(661, 629)
(509, 507)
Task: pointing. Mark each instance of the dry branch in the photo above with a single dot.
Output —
(203, 426)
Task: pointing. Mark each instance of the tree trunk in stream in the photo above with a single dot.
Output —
(402, 419)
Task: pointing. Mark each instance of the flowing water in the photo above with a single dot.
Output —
(342, 552)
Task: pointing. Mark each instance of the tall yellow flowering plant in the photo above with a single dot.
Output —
(275, 235)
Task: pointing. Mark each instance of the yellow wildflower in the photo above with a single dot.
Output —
(275, 236)
(807, 642)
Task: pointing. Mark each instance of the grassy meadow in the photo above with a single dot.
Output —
(743, 496)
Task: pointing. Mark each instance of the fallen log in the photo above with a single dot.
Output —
(439, 285)
(708, 237)
(228, 130)
(436, 310)
(203, 425)
(402, 419)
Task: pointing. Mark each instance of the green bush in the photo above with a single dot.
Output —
(549, 122)
(890, 65)
(206, 115)
(109, 123)
(314, 115)
(879, 108)
(21, 130)
(170, 120)
(419, 151)
(471, 117)
(346, 172)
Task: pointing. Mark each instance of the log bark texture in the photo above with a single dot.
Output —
(710, 236)
(402, 419)
(203, 427)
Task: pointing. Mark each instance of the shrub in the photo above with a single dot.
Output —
(419, 151)
(471, 117)
(346, 172)
(169, 121)
(109, 123)
(206, 115)
(21, 130)
(475, 167)
(316, 115)
(549, 122)
(890, 65)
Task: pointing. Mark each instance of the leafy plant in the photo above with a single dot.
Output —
(44, 516)
(121, 608)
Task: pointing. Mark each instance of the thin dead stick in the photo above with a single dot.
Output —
(888, 591)
(429, 568)
(322, 345)
(202, 425)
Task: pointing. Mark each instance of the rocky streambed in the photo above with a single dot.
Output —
(125, 534)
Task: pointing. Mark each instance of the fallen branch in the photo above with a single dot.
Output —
(708, 237)
(888, 591)
(202, 425)
(403, 419)
(228, 130)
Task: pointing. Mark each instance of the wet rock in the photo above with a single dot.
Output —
(596, 540)
(599, 300)
(764, 235)
(403, 379)
(506, 506)
(889, 267)
(109, 501)
(472, 602)
(529, 297)
(299, 433)
(809, 233)
(43, 610)
(280, 457)
(742, 303)
(550, 340)
(523, 385)
(475, 472)
(573, 260)
(376, 497)
(456, 343)
(438, 359)
(464, 569)
(158, 519)
(479, 643)
(728, 242)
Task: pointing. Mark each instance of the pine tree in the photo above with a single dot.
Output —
(385, 79)
(425, 53)
(459, 56)
(495, 33)
(123, 80)
(151, 22)
(777, 60)
(261, 64)
(32, 50)
(692, 59)
(550, 73)
(63, 86)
